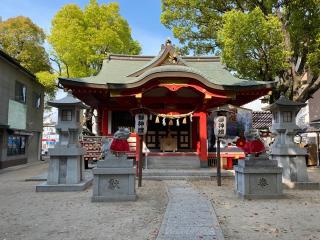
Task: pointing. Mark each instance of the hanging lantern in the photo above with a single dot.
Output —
(150, 117)
(184, 121)
(177, 123)
(157, 120)
(164, 121)
(170, 122)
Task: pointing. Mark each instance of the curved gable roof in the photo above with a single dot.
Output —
(128, 71)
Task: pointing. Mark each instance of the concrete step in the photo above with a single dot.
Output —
(173, 162)
(184, 174)
(159, 178)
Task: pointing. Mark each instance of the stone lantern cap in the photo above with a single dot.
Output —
(282, 102)
(68, 100)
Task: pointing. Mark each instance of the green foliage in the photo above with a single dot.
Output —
(303, 19)
(253, 44)
(193, 22)
(314, 58)
(81, 39)
(48, 80)
(258, 39)
(23, 40)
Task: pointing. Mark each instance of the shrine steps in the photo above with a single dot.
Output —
(173, 162)
(184, 174)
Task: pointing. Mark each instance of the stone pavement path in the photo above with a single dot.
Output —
(188, 215)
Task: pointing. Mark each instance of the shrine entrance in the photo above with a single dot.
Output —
(171, 108)
(169, 138)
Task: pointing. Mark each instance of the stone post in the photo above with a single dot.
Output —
(66, 168)
(288, 154)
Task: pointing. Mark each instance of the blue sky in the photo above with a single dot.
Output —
(143, 17)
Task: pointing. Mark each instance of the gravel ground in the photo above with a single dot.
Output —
(28, 215)
(297, 216)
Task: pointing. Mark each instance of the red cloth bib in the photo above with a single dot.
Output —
(119, 145)
(251, 147)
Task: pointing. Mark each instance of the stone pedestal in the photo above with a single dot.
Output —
(114, 180)
(293, 161)
(258, 178)
(65, 173)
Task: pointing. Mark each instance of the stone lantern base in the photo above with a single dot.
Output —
(45, 187)
(114, 180)
(65, 172)
(293, 162)
(258, 178)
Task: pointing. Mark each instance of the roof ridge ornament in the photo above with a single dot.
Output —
(167, 56)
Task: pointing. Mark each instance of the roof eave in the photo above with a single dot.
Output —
(205, 81)
(75, 82)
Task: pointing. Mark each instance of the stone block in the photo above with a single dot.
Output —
(113, 162)
(61, 150)
(258, 179)
(114, 180)
(294, 167)
(45, 187)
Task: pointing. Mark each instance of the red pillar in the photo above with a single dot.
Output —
(203, 155)
(104, 123)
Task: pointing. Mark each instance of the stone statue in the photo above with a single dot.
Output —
(119, 145)
(252, 144)
(105, 148)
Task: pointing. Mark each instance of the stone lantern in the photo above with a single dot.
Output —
(66, 158)
(289, 155)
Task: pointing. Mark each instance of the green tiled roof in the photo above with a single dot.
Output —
(117, 68)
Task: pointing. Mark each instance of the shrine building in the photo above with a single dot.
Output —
(177, 93)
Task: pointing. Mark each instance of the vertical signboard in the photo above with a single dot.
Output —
(220, 126)
(141, 123)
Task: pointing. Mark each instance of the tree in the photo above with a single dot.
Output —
(258, 39)
(48, 80)
(248, 52)
(23, 40)
(81, 39)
